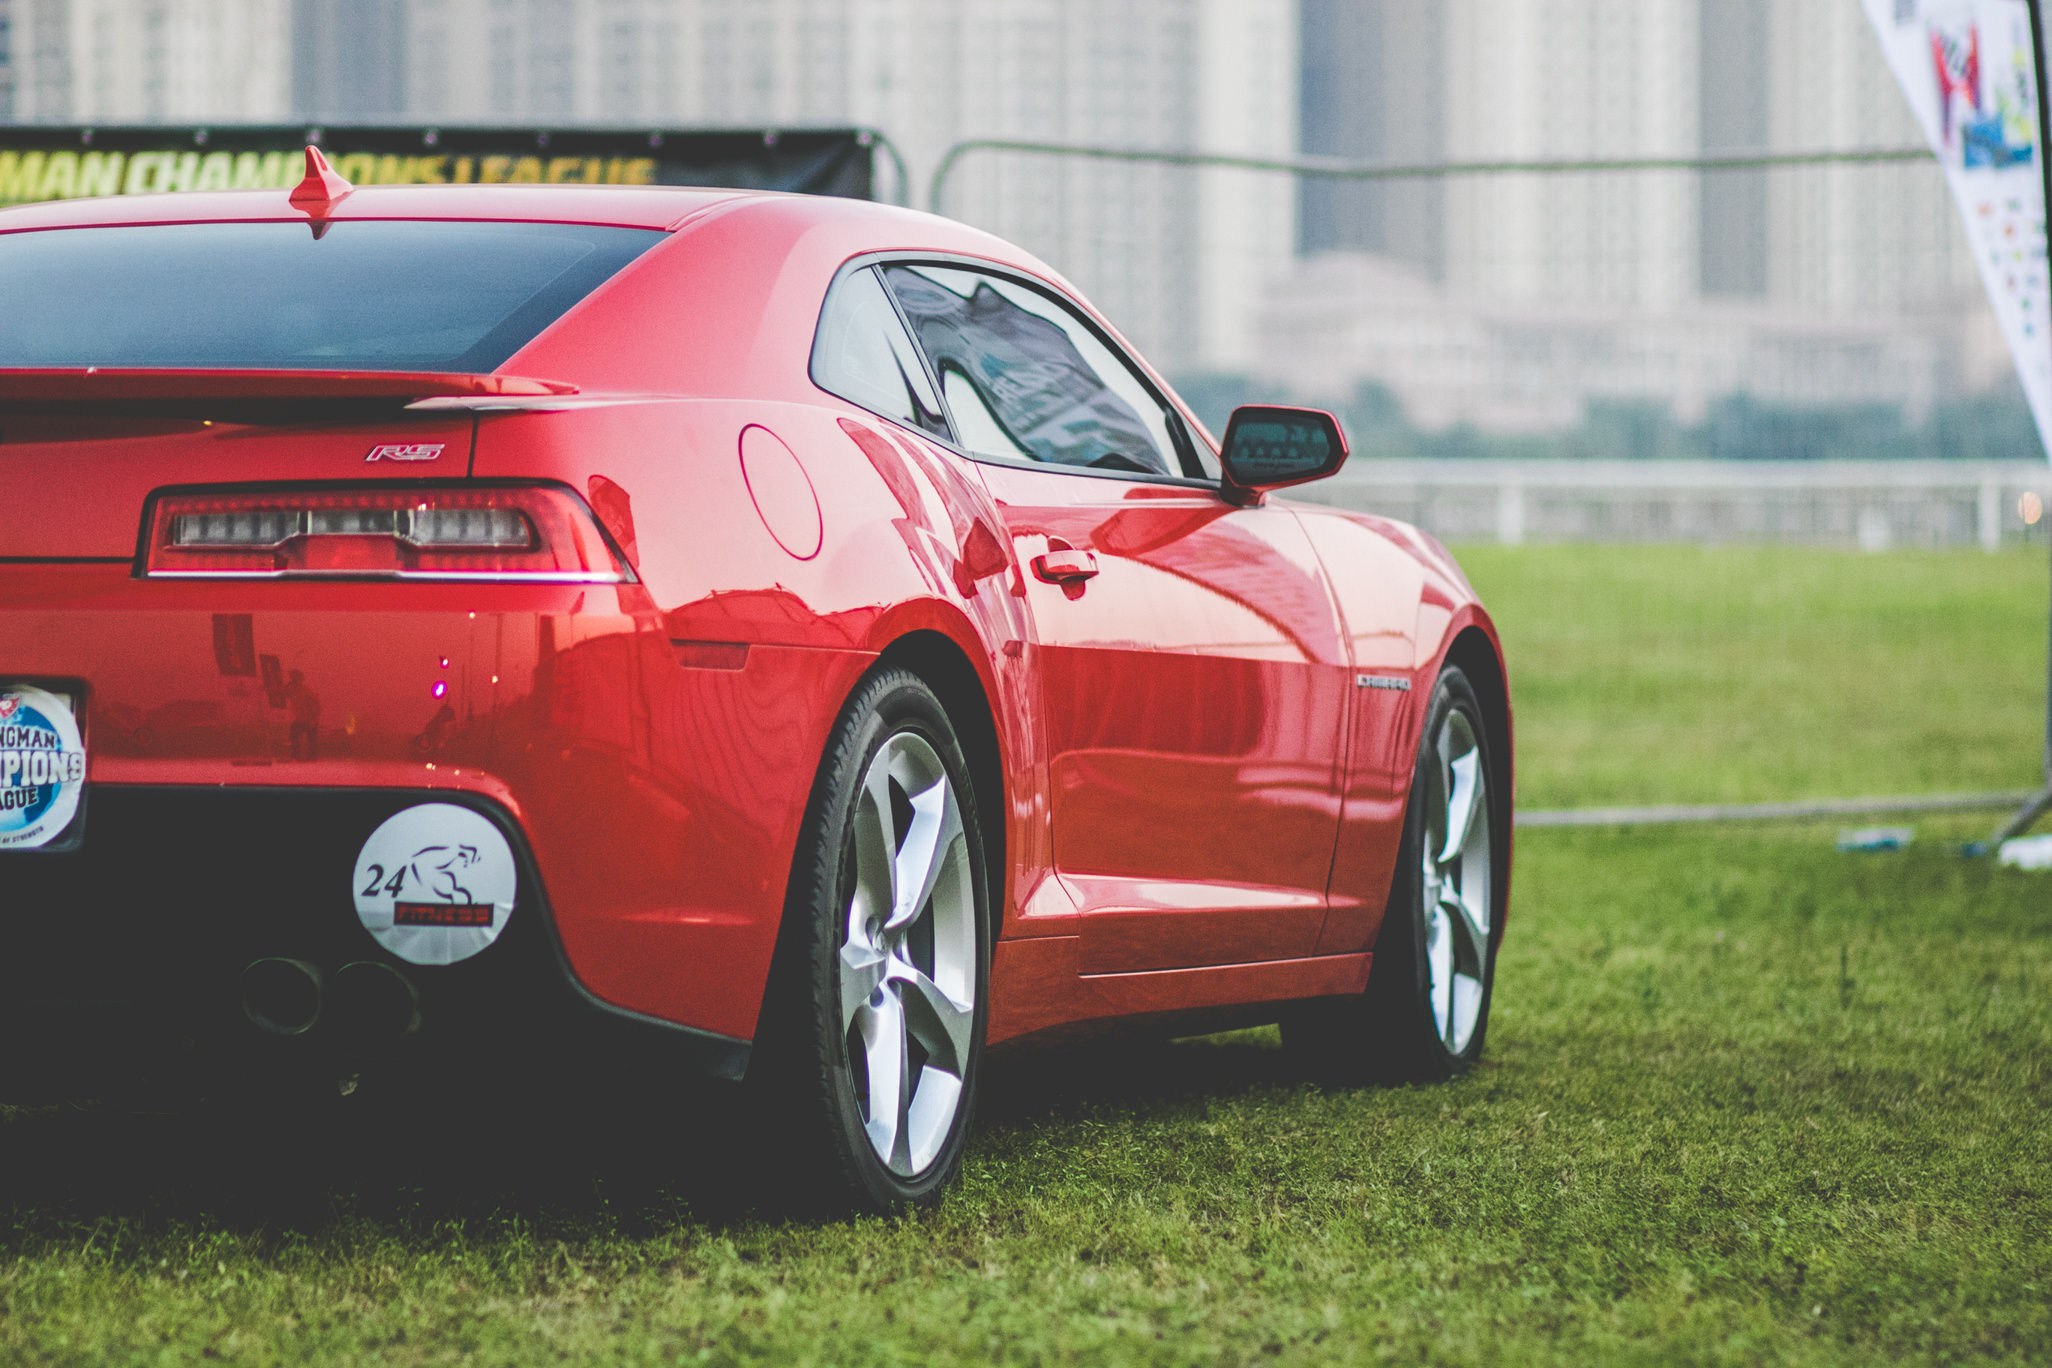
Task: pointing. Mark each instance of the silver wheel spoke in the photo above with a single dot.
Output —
(928, 1120)
(930, 838)
(1468, 925)
(934, 1019)
(882, 1027)
(876, 856)
(862, 973)
(1460, 804)
(1466, 1004)
(1439, 958)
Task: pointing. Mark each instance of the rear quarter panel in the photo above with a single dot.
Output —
(713, 791)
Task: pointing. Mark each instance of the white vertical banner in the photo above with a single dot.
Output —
(1970, 75)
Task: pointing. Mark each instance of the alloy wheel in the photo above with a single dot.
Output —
(908, 959)
(1456, 883)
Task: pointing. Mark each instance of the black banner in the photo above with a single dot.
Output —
(42, 162)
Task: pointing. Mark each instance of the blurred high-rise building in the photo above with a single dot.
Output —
(350, 59)
(145, 61)
(1505, 300)
(1373, 89)
(1508, 80)
(1734, 116)
(1176, 258)
(1512, 301)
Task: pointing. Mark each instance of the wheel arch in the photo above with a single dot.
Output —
(936, 658)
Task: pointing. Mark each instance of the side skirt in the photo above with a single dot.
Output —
(1035, 988)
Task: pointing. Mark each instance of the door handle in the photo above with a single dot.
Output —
(1066, 566)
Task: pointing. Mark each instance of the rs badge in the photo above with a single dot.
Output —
(395, 451)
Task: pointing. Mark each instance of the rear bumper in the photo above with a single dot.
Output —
(133, 946)
(243, 738)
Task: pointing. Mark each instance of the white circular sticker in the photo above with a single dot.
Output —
(42, 767)
(435, 883)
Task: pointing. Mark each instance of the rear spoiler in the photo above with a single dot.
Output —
(22, 387)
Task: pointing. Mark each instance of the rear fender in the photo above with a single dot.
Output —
(760, 522)
(874, 549)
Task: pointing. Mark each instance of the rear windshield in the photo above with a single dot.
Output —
(365, 295)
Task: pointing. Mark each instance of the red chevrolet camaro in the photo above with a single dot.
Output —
(796, 637)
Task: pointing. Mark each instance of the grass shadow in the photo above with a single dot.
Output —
(550, 1151)
(1136, 1073)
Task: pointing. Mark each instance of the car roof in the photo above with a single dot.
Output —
(735, 293)
(861, 225)
(776, 251)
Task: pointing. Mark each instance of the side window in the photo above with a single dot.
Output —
(862, 353)
(1025, 378)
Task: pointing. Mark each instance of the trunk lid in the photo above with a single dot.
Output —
(81, 451)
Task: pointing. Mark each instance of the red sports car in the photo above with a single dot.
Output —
(443, 622)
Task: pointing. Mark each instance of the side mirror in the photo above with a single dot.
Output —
(1268, 448)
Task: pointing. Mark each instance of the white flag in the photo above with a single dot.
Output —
(1966, 66)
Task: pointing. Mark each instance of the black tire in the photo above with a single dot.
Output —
(812, 1089)
(1395, 1031)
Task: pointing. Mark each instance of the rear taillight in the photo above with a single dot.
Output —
(510, 532)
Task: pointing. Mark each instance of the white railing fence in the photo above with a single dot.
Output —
(1873, 505)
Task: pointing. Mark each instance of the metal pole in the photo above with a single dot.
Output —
(1339, 169)
(2036, 807)
(879, 139)
(2031, 811)
(2036, 8)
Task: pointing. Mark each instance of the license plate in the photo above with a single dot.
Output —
(42, 767)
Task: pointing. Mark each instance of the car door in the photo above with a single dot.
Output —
(1191, 661)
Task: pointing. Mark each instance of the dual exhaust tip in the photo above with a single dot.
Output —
(365, 1002)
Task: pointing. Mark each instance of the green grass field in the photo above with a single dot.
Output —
(1662, 674)
(1746, 1100)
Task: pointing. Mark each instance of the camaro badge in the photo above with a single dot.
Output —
(418, 451)
(1373, 681)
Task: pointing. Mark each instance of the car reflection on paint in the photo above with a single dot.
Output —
(793, 635)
